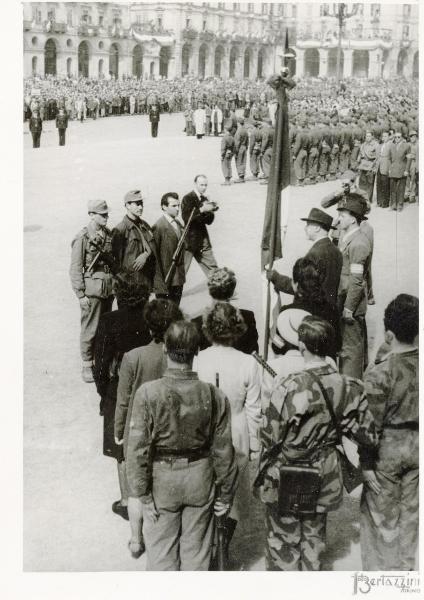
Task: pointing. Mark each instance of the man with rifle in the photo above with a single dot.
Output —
(167, 232)
(91, 278)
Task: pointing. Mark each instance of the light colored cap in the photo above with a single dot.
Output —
(97, 206)
(288, 324)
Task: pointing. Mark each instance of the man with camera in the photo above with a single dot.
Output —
(198, 244)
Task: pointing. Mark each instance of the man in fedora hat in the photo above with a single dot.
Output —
(356, 251)
(323, 252)
(91, 279)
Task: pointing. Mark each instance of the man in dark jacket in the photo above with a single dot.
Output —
(61, 125)
(35, 127)
(227, 153)
(154, 117)
(133, 243)
(198, 244)
(167, 232)
(241, 143)
(323, 252)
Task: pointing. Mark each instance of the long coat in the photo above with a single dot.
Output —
(119, 331)
(199, 119)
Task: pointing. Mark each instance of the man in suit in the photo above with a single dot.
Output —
(167, 233)
(133, 243)
(383, 188)
(154, 117)
(398, 153)
(323, 252)
(198, 244)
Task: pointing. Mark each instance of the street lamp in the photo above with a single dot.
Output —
(340, 12)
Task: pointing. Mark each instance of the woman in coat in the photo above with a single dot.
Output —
(237, 375)
(138, 366)
(119, 331)
(299, 429)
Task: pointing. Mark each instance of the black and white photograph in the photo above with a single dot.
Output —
(220, 289)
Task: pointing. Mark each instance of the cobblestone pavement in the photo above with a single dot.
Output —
(69, 485)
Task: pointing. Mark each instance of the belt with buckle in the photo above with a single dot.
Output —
(175, 455)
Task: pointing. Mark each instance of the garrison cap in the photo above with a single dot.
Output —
(413, 132)
(97, 206)
(133, 196)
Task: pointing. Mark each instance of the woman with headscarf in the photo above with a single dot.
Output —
(237, 375)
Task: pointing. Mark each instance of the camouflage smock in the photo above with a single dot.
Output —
(297, 402)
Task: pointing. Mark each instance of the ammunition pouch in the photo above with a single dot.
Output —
(98, 284)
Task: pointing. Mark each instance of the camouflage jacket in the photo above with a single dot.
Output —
(392, 390)
(298, 413)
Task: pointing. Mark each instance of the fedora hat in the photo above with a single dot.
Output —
(319, 216)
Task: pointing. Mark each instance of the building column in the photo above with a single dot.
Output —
(238, 67)
(375, 62)
(347, 63)
(225, 63)
(175, 62)
(193, 68)
(254, 63)
(323, 62)
(300, 62)
(209, 63)
(409, 64)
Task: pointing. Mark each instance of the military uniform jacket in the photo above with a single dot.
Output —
(227, 145)
(241, 138)
(35, 124)
(129, 240)
(255, 141)
(97, 281)
(267, 138)
(62, 121)
(154, 113)
(298, 414)
(356, 252)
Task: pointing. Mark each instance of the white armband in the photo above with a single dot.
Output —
(356, 269)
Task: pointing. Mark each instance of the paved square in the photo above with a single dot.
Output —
(69, 485)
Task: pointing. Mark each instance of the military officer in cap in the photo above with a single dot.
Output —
(133, 243)
(36, 127)
(154, 117)
(323, 252)
(241, 142)
(61, 125)
(91, 279)
(255, 143)
(356, 251)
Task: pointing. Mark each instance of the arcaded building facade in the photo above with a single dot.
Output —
(229, 40)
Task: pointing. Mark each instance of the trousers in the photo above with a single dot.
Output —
(62, 133)
(154, 128)
(181, 538)
(204, 257)
(397, 191)
(294, 543)
(89, 322)
(366, 183)
(254, 164)
(383, 190)
(36, 136)
(241, 162)
(353, 357)
(175, 294)
(389, 520)
(266, 161)
(226, 168)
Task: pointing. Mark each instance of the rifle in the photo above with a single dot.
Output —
(178, 250)
(221, 529)
(108, 259)
(264, 364)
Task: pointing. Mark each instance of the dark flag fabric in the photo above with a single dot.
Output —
(279, 176)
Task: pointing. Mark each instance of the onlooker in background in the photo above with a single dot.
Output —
(398, 153)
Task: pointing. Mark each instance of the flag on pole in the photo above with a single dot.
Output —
(279, 178)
